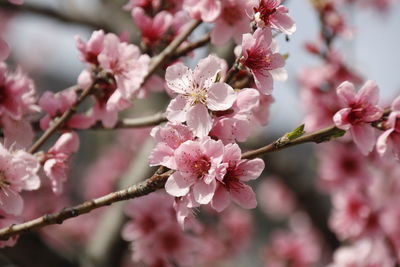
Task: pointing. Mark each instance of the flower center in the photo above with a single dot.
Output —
(357, 113)
(201, 166)
(198, 95)
(258, 60)
(264, 11)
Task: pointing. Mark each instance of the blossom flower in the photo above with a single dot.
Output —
(275, 198)
(125, 63)
(55, 104)
(91, 49)
(232, 22)
(197, 92)
(259, 54)
(365, 252)
(232, 183)
(359, 110)
(269, 13)
(205, 10)
(390, 139)
(56, 164)
(199, 165)
(168, 139)
(152, 29)
(250, 109)
(18, 171)
(17, 103)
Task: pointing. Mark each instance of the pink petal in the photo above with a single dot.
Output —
(243, 195)
(346, 93)
(213, 149)
(178, 185)
(364, 137)
(211, 10)
(221, 33)
(17, 133)
(177, 109)
(264, 82)
(179, 78)
(141, 19)
(162, 154)
(283, 23)
(382, 142)
(203, 193)
(250, 169)
(67, 143)
(232, 153)
(263, 38)
(220, 97)
(162, 21)
(198, 120)
(11, 202)
(369, 93)
(4, 50)
(221, 199)
(206, 71)
(396, 104)
(341, 119)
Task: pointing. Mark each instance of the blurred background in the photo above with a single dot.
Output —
(41, 34)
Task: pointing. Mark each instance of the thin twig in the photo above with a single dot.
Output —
(148, 121)
(192, 46)
(59, 122)
(157, 181)
(51, 13)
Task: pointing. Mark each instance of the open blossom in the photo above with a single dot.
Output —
(152, 29)
(233, 21)
(199, 166)
(232, 185)
(56, 164)
(270, 13)
(206, 10)
(198, 92)
(168, 138)
(390, 139)
(125, 63)
(359, 110)
(259, 54)
(18, 171)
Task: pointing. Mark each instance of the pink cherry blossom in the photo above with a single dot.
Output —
(390, 139)
(4, 50)
(366, 253)
(269, 13)
(341, 165)
(56, 164)
(232, 184)
(353, 214)
(152, 29)
(17, 104)
(206, 10)
(198, 92)
(18, 171)
(168, 138)
(275, 199)
(55, 104)
(233, 21)
(249, 110)
(91, 49)
(199, 166)
(359, 110)
(301, 245)
(125, 62)
(259, 54)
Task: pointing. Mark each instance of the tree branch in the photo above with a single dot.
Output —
(157, 181)
(51, 13)
(148, 121)
(58, 123)
(192, 46)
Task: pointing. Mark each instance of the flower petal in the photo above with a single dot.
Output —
(198, 120)
(220, 97)
(203, 193)
(221, 198)
(364, 137)
(178, 185)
